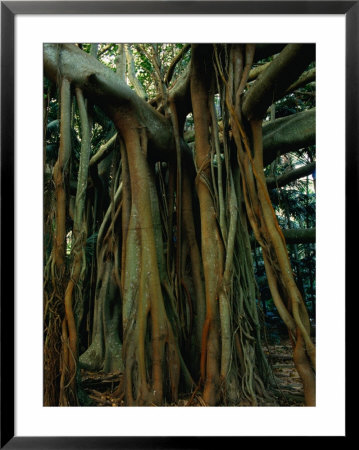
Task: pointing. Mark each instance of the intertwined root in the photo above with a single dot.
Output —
(172, 284)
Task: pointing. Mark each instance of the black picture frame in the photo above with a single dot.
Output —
(9, 9)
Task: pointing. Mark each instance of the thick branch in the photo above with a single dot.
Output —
(297, 236)
(266, 50)
(180, 95)
(304, 79)
(175, 61)
(107, 90)
(94, 50)
(288, 177)
(283, 135)
(288, 134)
(300, 236)
(275, 80)
(131, 72)
(120, 61)
(256, 71)
(103, 151)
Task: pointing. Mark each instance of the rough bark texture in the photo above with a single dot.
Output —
(288, 134)
(167, 296)
(288, 177)
(275, 80)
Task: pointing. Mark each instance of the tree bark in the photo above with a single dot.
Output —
(106, 89)
(288, 134)
(283, 135)
(275, 80)
(291, 176)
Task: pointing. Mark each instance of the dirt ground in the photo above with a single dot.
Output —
(103, 389)
(290, 387)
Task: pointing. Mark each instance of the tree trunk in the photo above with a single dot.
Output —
(172, 299)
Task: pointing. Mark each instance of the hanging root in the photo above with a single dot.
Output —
(149, 343)
(270, 237)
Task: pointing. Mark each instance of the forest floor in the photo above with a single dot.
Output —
(103, 388)
(290, 388)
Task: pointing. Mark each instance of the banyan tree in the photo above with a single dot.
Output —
(154, 193)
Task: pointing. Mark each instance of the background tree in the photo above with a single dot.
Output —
(161, 160)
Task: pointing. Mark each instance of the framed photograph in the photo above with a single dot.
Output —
(176, 182)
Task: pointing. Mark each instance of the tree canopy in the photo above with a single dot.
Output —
(179, 213)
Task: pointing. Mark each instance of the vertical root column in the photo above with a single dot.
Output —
(277, 264)
(304, 349)
(142, 293)
(59, 263)
(212, 246)
(78, 249)
(267, 232)
(196, 263)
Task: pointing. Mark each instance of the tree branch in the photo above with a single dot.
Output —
(106, 89)
(131, 72)
(275, 80)
(104, 49)
(300, 236)
(304, 79)
(120, 61)
(265, 50)
(256, 71)
(288, 177)
(297, 236)
(175, 61)
(283, 135)
(288, 134)
(103, 151)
